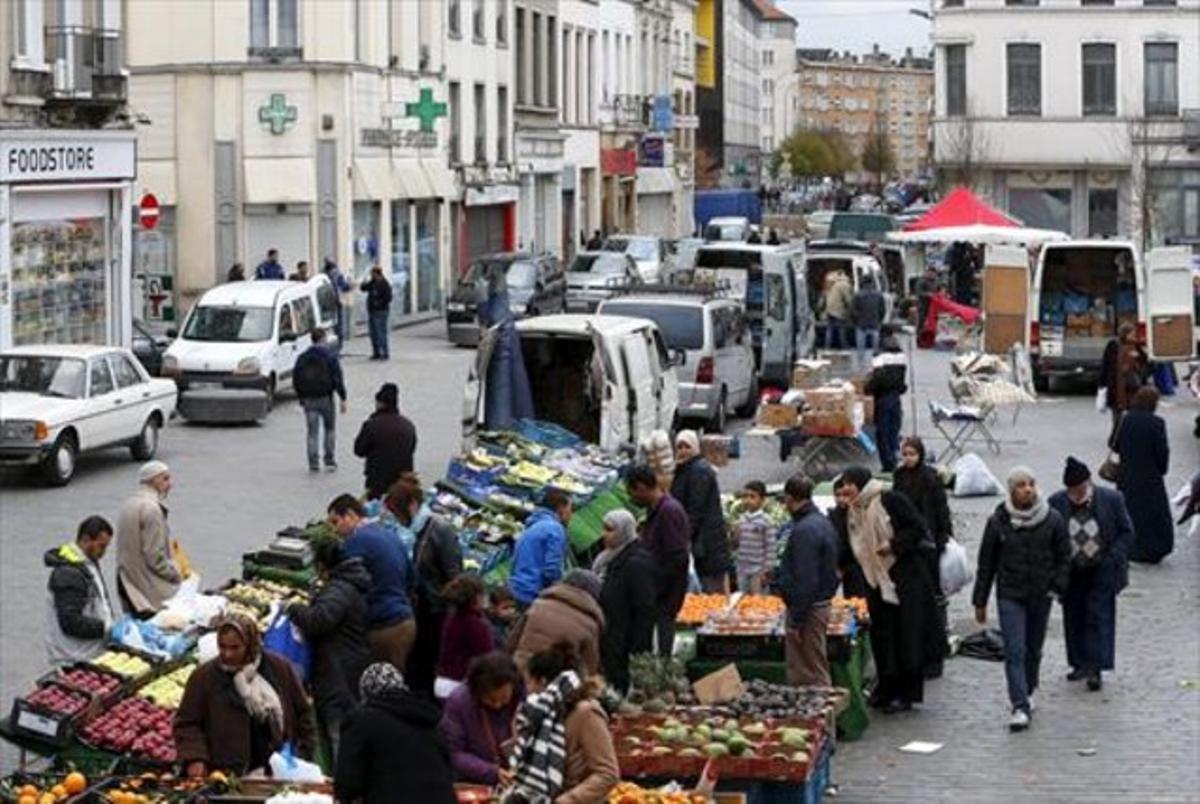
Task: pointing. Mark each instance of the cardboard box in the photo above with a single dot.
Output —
(715, 448)
(719, 686)
(1102, 329)
(776, 416)
(810, 373)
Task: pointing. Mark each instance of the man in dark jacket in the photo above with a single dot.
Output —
(316, 378)
(806, 580)
(391, 749)
(270, 267)
(1100, 535)
(695, 486)
(386, 442)
(867, 311)
(335, 625)
(79, 613)
(1025, 551)
(887, 384)
(342, 286)
(665, 534)
(379, 301)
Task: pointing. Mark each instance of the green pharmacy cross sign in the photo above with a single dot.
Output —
(426, 110)
(277, 114)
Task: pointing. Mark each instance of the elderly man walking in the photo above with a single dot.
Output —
(147, 574)
(1100, 535)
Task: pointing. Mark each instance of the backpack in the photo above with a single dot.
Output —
(312, 377)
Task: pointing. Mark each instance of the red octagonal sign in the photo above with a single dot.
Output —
(148, 211)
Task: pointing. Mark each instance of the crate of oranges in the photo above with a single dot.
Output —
(42, 788)
(697, 608)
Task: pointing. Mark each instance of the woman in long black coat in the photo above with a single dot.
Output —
(627, 597)
(1145, 457)
(695, 486)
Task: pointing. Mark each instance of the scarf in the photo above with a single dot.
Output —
(258, 696)
(540, 752)
(625, 526)
(871, 528)
(1023, 519)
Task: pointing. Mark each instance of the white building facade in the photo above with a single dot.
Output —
(777, 37)
(686, 121)
(579, 119)
(657, 182)
(1078, 117)
(620, 114)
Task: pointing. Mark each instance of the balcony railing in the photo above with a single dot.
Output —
(71, 52)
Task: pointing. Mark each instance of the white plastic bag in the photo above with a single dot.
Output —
(1101, 400)
(954, 568)
(286, 767)
(972, 478)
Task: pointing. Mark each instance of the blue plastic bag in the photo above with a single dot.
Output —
(285, 639)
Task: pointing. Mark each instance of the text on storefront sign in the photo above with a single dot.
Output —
(44, 159)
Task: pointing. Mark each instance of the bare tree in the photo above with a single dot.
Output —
(1149, 147)
(960, 152)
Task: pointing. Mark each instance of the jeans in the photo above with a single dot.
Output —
(1023, 626)
(889, 417)
(377, 323)
(863, 337)
(320, 411)
(835, 333)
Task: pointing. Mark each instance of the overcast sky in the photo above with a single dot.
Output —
(857, 24)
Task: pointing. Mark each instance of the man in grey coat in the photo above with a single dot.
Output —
(147, 574)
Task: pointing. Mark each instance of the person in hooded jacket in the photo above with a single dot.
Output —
(391, 750)
(627, 596)
(79, 612)
(695, 487)
(335, 625)
(886, 383)
(541, 548)
(386, 442)
(568, 612)
(1025, 551)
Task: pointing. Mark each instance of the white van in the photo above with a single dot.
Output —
(239, 343)
(608, 379)
(1083, 290)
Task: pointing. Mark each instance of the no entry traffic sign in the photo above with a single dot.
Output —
(148, 211)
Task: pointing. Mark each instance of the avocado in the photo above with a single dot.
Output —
(716, 750)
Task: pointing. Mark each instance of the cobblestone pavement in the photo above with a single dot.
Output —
(235, 486)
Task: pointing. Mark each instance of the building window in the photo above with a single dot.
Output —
(1025, 80)
(27, 23)
(455, 123)
(477, 22)
(359, 38)
(537, 92)
(1162, 78)
(480, 125)
(502, 125)
(1102, 213)
(1096, 2)
(952, 3)
(1099, 79)
(1020, 2)
(551, 61)
(522, 58)
(1159, 2)
(454, 24)
(1176, 200)
(274, 24)
(1041, 209)
(502, 22)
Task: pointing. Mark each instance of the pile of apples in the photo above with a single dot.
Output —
(167, 691)
(134, 725)
(90, 681)
(123, 664)
(59, 700)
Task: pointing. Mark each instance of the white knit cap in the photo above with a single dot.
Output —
(690, 438)
(151, 470)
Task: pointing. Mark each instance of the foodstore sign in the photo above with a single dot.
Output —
(31, 160)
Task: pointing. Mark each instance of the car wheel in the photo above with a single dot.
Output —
(717, 423)
(1041, 383)
(59, 466)
(750, 406)
(147, 441)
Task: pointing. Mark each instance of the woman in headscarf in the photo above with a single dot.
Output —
(241, 707)
(892, 547)
(1026, 551)
(1145, 458)
(564, 750)
(391, 749)
(627, 596)
(695, 487)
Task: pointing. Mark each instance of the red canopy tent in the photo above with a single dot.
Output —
(960, 207)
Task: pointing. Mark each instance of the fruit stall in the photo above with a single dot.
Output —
(749, 630)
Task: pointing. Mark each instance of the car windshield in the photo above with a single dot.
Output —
(230, 324)
(607, 263)
(519, 274)
(724, 231)
(682, 326)
(49, 376)
(640, 248)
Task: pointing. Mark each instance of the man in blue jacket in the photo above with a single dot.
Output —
(391, 629)
(541, 548)
(270, 267)
(316, 377)
(806, 581)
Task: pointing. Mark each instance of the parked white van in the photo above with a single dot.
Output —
(239, 343)
(608, 379)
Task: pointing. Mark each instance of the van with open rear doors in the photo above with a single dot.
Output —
(1067, 309)
(608, 379)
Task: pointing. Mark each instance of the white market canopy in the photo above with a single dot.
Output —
(981, 233)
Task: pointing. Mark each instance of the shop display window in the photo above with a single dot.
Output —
(60, 281)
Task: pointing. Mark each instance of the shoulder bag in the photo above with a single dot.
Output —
(1110, 470)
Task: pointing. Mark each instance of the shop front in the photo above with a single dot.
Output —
(488, 221)
(66, 201)
(618, 172)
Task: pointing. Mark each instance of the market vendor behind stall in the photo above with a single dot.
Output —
(80, 613)
(241, 707)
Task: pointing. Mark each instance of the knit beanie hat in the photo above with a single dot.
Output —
(388, 395)
(1076, 472)
(1019, 474)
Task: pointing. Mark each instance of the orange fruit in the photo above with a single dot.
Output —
(59, 792)
(47, 798)
(28, 790)
(75, 783)
(27, 798)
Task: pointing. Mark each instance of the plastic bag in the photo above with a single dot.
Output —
(954, 568)
(287, 767)
(286, 640)
(972, 478)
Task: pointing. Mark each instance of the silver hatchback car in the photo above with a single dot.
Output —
(709, 335)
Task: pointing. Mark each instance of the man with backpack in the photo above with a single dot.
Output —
(316, 378)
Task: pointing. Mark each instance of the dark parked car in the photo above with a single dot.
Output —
(148, 348)
(536, 286)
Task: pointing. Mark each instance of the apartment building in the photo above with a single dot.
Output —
(317, 129)
(620, 114)
(777, 42)
(1081, 116)
(728, 92)
(657, 182)
(579, 119)
(864, 96)
(67, 169)
(540, 145)
(686, 121)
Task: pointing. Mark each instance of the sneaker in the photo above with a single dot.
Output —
(1019, 720)
(1032, 704)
